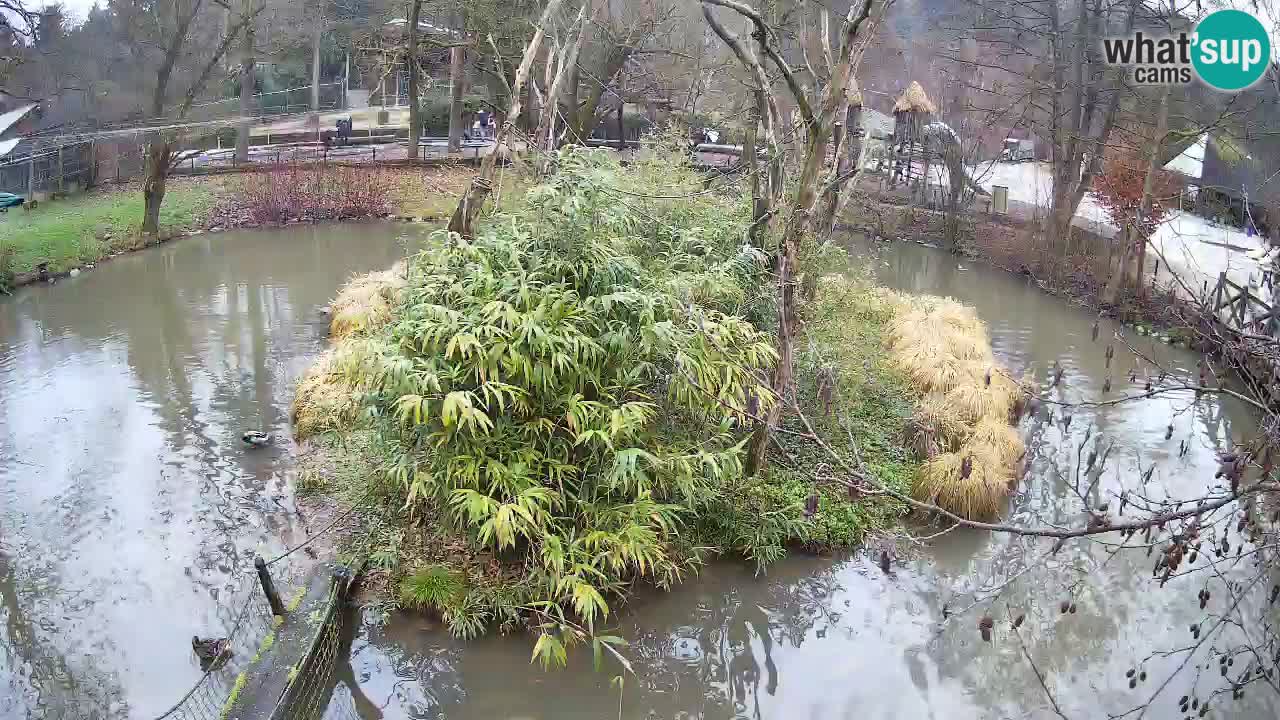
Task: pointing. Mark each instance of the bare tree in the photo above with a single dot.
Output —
(472, 202)
(182, 43)
(818, 112)
(1041, 60)
(317, 29)
(248, 77)
(559, 66)
(411, 54)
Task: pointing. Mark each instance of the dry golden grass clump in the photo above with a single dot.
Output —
(973, 401)
(972, 483)
(998, 436)
(324, 400)
(327, 397)
(935, 428)
(962, 424)
(366, 302)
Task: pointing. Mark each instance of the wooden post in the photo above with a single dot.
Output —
(1217, 294)
(61, 183)
(268, 587)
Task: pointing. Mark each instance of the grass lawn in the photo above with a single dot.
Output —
(431, 193)
(84, 228)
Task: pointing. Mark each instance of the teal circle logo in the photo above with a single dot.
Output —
(1231, 50)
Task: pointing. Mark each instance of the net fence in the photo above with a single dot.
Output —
(251, 622)
(313, 692)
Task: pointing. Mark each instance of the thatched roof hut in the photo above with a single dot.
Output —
(913, 99)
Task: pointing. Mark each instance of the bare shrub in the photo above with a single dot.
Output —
(314, 193)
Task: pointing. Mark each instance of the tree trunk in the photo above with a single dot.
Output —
(847, 156)
(555, 75)
(758, 205)
(622, 129)
(798, 224)
(415, 109)
(457, 56)
(818, 132)
(153, 185)
(247, 82)
(1129, 272)
(853, 156)
(464, 215)
(315, 60)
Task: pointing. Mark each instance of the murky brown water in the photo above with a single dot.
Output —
(827, 639)
(128, 507)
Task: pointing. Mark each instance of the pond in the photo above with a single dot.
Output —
(129, 508)
(838, 638)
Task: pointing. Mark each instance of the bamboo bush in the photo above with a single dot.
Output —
(562, 401)
(567, 384)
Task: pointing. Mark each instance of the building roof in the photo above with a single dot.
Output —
(7, 146)
(1190, 162)
(876, 124)
(424, 26)
(9, 119)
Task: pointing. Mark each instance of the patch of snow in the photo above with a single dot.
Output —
(1198, 250)
(7, 146)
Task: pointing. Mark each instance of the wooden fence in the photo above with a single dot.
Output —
(1246, 312)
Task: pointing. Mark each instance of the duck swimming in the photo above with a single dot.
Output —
(256, 438)
(210, 650)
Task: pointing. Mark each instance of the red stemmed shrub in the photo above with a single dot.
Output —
(1119, 190)
(315, 193)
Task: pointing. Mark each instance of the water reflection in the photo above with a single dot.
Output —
(830, 639)
(128, 508)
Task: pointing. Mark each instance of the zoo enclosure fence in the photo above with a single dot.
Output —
(62, 168)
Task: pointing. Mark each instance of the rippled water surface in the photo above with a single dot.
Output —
(128, 507)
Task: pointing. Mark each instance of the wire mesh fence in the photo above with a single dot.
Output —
(312, 683)
(196, 163)
(62, 168)
(227, 660)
